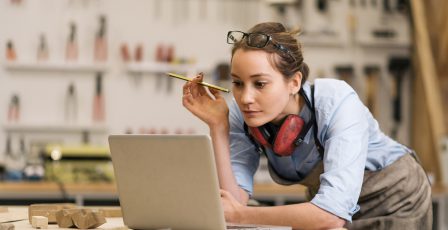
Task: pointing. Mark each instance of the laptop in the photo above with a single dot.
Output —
(169, 182)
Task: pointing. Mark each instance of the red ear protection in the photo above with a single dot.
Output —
(282, 140)
(285, 138)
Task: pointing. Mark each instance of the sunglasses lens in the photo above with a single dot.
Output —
(234, 37)
(258, 40)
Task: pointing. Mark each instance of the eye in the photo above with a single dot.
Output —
(260, 84)
(237, 83)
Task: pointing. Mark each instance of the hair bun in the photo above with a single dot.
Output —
(269, 27)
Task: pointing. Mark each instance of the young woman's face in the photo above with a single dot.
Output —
(262, 93)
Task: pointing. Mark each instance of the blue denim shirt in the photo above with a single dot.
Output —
(350, 135)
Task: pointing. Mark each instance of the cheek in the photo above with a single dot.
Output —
(275, 103)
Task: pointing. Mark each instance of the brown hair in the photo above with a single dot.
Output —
(282, 61)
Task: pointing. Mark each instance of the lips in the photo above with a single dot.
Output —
(251, 113)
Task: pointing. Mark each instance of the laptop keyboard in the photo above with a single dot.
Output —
(241, 227)
(250, 227)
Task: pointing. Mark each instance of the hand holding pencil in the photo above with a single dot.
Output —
(178, 76)
(209, 107)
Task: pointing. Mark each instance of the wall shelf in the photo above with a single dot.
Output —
(384, 42)
(159, 67)
(54, 128)
(56, 66)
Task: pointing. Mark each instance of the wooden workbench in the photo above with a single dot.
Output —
(273, 192)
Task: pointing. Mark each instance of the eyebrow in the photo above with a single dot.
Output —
(253, 75)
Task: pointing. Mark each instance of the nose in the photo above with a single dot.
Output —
(247, 96)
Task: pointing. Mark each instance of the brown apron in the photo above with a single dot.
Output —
(396, 197)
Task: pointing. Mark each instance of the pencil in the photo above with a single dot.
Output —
(202, 83)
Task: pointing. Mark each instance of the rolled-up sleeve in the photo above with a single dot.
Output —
(243, 156)
(346, 142)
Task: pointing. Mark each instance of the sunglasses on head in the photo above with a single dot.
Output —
(257, 40)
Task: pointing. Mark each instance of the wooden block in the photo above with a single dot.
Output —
(111, 212)
(40, 222)
(80, 218)
(7, 226)
(64, 218)
(88, 218)
(47, 210)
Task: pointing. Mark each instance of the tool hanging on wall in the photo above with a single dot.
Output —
(14, 109)
(10, 51)
(71, 105)
(282, 8)
(352, 21)
(203, 9)
(139, 53)
(170, 59)
(281, 12)
(322, 6)
(125, 54)
(397, 67)
(221, 75)
(42, 50)
(157, 7)
(99, 114)
(387, 7)
(346, 73)
(71, 49)
(100, 52)
(161, 58)
(372, 73)
(392, 6)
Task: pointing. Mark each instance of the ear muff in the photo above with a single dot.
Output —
(283, 140)
(259, 134)
(289, 135)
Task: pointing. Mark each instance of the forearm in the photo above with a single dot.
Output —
(298, 216)
(221, 147)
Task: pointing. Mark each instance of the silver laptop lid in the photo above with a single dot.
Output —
(167, 181)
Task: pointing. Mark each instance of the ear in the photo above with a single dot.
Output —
(295, 83)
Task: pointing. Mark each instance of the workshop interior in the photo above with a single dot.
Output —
(73, 72)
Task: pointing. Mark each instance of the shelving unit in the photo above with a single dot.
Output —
(160, 67)
(385, 43)
(56, 66)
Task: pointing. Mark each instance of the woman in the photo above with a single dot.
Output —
(320, 135)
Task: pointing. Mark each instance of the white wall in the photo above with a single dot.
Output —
(138, 101)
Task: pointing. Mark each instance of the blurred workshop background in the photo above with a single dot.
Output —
(75, 71)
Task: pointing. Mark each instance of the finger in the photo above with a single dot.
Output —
(186, 103)
(188, 100)
(195, 87)
(224, 193)
(201, 89)
(186, 88)
(215, 93)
